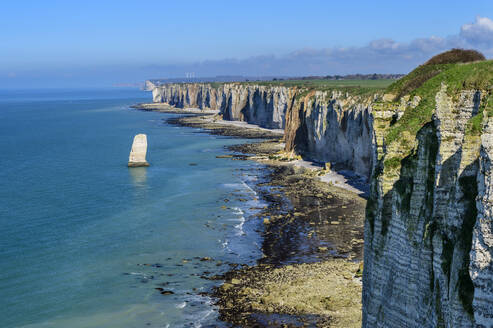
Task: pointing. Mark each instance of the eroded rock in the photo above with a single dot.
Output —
(138, 153)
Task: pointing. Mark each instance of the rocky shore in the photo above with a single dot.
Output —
(424, 145)
(310, 272)
(312, 246)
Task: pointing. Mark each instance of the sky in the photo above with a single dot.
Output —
(102, 43)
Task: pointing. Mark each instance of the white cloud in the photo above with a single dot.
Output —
(380, 55)
(384, 44)
(480, 32)
(377, 56)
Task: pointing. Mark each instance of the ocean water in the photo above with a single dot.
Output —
(85, 241)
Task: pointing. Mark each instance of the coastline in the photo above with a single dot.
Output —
(313, 233)
(165, 108)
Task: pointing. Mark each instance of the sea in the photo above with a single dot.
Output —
(86, 241)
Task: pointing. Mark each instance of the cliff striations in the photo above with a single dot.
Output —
(426, 145)
(324, 126)
(428, 224)
(261, 105)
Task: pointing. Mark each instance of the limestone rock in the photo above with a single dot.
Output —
(138, 153)
(262, 105)
(332, 127)
(388, 97)
(328, 126)
(420, 268)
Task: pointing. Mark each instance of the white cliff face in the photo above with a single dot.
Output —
(420, 264)
(138, 152)
(335, 128)
(149, 86)
(329, 127)
(261, 105)
(481, 269)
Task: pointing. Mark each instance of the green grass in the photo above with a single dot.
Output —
(477, 76)
(328, 84)
(475, 123)
(489, 105)
(351, 86)
(216, 85)
(393, 162)
(415, 79)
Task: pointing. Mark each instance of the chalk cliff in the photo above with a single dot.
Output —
(332, 126)
(325, 126)
(428, 241)
(256, 104)
(426, 145)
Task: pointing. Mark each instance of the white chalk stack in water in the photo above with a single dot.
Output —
(138, 153)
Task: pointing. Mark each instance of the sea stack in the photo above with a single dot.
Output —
(138, 153)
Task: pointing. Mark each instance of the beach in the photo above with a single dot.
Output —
(312, 239)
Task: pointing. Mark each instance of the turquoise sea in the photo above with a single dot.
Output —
(85, 241)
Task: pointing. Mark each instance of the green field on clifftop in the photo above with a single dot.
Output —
(328, 84)
(318, 84)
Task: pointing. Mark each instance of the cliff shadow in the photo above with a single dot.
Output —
(427, 219)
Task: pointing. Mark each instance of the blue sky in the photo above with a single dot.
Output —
(98, 43)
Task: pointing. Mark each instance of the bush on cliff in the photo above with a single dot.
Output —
(456, 56)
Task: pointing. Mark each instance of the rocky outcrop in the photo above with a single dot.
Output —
(138, 152)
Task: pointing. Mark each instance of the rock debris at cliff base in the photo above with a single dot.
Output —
(323, 294)
(306, 220)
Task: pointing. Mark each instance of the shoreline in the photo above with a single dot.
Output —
(341, 178)
(313, 232)
(165, 108)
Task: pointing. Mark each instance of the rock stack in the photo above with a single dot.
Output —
(138, 153)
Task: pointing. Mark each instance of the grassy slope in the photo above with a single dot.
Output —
(477, 76)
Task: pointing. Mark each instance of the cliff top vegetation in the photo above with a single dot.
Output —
(326, 84)
(431, 68)
(426, 80)
(456, 56)
(365, 85)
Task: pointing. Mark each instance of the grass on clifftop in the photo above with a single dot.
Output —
(325, 84)
(317, 84)
(457, 77)
(432, 67)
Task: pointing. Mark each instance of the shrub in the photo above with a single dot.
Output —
(431, 68)
(456, 56)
